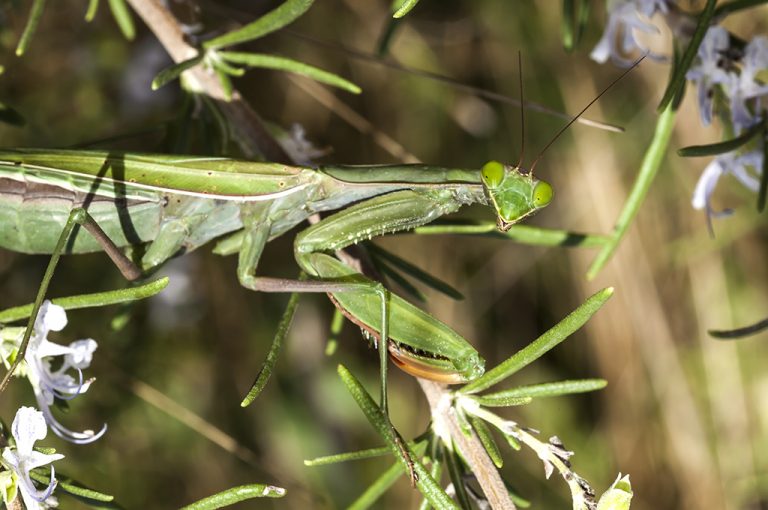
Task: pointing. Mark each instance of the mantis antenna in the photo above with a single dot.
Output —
(574, 119)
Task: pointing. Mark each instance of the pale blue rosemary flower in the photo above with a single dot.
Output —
(49, 384)
(28, 426)
(738, 165)
(744, 90)
(708, 71)
(625, 16)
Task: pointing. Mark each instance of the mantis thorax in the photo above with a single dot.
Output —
(514, 192)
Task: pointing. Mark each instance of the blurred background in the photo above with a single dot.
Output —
(686, 416)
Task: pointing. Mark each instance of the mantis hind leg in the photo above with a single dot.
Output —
(77, 217)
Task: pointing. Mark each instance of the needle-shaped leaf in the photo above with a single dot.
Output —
(287, 64)
(568, 24)
(172, 72)
(224, 66)
(678, 98)
(514, 495)
(541, 345)
(270, 22)
(348, 456)
(236, 495)
(111, 297)
(731, 334)
(650, 166)
(714, 149)
(274, 351)
(403, 7)
(382, 484)
(74, 488)
(123, 17)
(524, 234)
(377, 489)
(34, 18)
(454, 465)
(484, 433)
(678, 79)
(226, 83)
(502, 400)
(418, 273)
(93, 6)
(516, 396)
(425, 483)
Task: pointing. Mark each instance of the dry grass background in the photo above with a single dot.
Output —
(685, 415)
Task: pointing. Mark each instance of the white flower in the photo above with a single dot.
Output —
(708, 72)
(744, 86)
(49, 384)
(625, 16)
(28, 427)
(729, 163)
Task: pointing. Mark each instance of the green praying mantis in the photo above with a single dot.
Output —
(175, 204)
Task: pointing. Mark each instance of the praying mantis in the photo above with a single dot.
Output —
(175, 204)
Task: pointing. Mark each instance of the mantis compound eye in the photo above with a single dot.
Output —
(493, 174)
(542, 194)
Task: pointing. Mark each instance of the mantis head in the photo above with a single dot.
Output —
(514, 193)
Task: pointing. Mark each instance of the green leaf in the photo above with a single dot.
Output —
(404, 8)
(418, 273)
(541, 345)
(654, 155)
(730, 334)
(502, 400)
(74, 488)
(484, 433)
(567, 24)
(514, 495)
(694, 151)
(524, 234)
(349, 456)
(678, 80)
(290, 65)
(274, 351)
(236, 495)
(90, 14)
(122, 16)
(454, 465)
(111, 297)
(425, 483)
(171, 73)
(377, 489)
(270, 22)
(374, 491)
(226, 83)
(524, 394)
(221, 65)
(34, 18)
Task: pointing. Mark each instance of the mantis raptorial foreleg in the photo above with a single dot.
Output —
(350, 291)
(77, 217)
